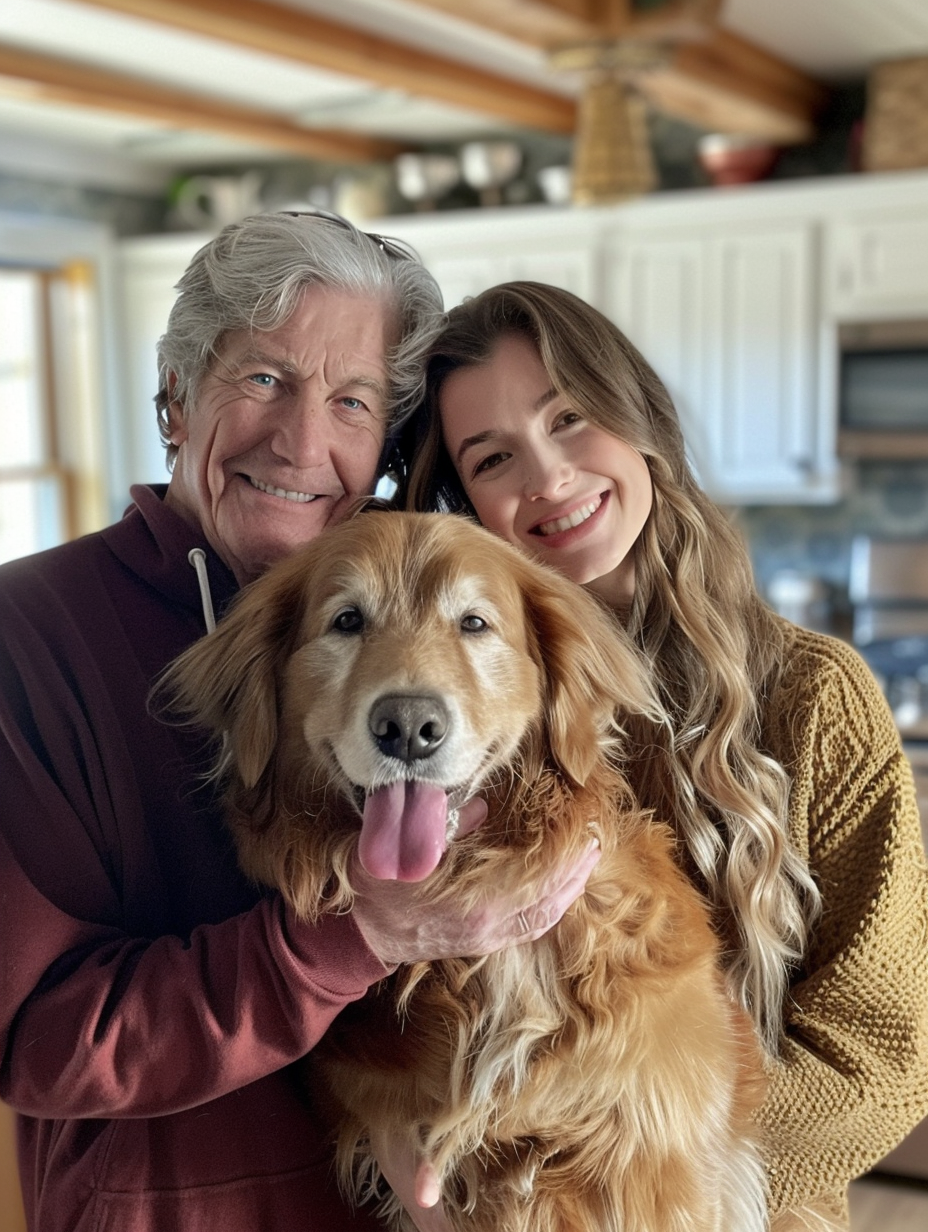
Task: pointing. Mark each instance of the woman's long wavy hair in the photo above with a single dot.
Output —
(714, 645)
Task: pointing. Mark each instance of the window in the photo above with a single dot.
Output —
(51, 461)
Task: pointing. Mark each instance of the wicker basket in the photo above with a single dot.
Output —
(895, 136)
(612, 158)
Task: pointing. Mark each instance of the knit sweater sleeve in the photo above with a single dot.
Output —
(852, 1078)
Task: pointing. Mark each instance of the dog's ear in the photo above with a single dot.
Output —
(228, 681)
(592, 671)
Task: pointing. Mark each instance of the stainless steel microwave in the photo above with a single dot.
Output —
(883, 389)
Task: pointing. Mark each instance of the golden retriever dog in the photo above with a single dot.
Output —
(599, 1079)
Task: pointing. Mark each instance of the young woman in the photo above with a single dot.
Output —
(781, 768)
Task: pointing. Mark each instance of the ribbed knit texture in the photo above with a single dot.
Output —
(852, 1079)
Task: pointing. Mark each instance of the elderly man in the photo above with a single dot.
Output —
(152, 998)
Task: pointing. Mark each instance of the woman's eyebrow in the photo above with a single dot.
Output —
(470, 441)
(479, 438)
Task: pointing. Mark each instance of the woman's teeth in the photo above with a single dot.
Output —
(572, 519)
(300, 497)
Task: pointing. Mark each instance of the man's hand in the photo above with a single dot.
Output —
(414, 1182)
(401, 930)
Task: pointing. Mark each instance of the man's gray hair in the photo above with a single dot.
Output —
(251, 277)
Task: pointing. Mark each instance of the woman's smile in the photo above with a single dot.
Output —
(570, 521)
(543, 475)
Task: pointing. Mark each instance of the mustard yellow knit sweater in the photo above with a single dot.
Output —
(852, 1078)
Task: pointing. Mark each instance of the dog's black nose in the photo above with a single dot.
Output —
(408, 727)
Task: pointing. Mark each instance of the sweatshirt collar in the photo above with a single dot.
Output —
(154, 542)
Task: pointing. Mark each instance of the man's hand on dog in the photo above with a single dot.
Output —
(400, 929)
(398, 932)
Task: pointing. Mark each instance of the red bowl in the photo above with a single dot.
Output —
(736, 162)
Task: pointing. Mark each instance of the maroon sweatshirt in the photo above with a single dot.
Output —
(151, 998)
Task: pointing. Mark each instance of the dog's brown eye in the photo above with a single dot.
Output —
(348, 620)
(473, 624)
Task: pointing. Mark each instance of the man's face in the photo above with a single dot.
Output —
(286, 431)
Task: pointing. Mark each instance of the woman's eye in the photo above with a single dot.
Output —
(488, 463)
(568, 418)
(472, 623)
(349, 620)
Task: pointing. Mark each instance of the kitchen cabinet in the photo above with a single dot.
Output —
(655, 292)
(149, 270)
(765, 441)
(727, 317)
(467, 256)
(878, 265)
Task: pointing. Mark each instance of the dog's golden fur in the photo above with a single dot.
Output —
(597, 1080)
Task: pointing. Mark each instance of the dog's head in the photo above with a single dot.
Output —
(390, 669)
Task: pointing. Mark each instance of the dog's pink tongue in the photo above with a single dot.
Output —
(403, 831)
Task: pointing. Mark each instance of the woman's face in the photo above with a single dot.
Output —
(541, 475)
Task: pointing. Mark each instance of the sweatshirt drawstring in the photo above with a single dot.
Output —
(197, 558)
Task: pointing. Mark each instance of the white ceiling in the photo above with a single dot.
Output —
(833, 40)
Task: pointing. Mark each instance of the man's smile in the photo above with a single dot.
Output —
(301, 498)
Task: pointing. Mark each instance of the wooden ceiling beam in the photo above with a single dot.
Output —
(550, 23)
(712, 78)
(62, 81)
(730, 85)
(305, 38)
(718, 81)
(539, 23)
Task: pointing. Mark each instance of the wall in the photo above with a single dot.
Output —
(888, 499)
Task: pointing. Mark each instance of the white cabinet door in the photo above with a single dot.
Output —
(728, 320)
(150, 270)
(764, 439)
(470, 253)
(461, 276)
(574, 267)
(878, 265)
(656, 295)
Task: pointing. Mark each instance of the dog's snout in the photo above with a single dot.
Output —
(408, 727)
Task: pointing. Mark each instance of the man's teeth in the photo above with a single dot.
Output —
(300, 497)
(572, 519)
